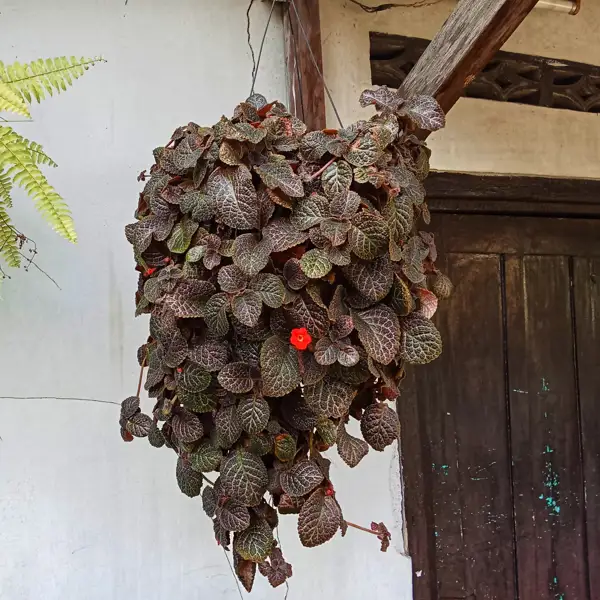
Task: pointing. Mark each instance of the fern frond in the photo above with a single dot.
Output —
(41, 77)
(5, 189)
(11, 101)
(38, 155)
(8, 240)
(21, 166)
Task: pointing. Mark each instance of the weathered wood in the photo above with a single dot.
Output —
(457, 452)
(586, 300)
(307, 90)
(470, 37)
(547, 473)
(482, 234)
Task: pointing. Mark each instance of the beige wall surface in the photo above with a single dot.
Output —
(481, 135)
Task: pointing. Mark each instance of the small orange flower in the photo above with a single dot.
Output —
(300, 338)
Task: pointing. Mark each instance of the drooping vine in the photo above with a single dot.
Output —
(288, 285)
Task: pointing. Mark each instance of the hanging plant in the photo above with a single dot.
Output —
(287, 285)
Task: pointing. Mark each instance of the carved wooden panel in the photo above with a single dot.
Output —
(508, 77)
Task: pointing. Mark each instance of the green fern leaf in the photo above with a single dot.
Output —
(22, 167)
(43, 77)
(11, 101)
(8, 239)
(5, 189)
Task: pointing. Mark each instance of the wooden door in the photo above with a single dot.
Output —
(501, 436)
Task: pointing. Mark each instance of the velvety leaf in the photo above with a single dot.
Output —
(176, 349)
(285, 447)
(379, 426)
(415, 193)
(425, 112)
(244, 477)
(277, 570)
(236, 377)
(248, 352)
(277, 173)
(255, 543)
(314, 145)
(280, 367)
(372, 279)
(340, 255)
(215, 314)
(233, 516)
(303, 312)
(414, 252)
(428, 302)
(189, 481)
(421, 341)
(232, 279)
(315, 263)
(193, 378)
(130, 406)
(222, 536)
(245, 570)
(342, 327)
(187, 427)
(156, 437)
(253, 414)
(298, 414)
(383, 98)
(288, 505)
(209, 501)
(335, 231)
(234, 196)
(258, 333)
(319, 519)
(200, 402)
(351, 449)
(401, 300)
(293, 274)
(139, 425)
(379, 331)
(198, 205)
(283, 234)
(309, 211)
(364, 151)
(251, 255)
(212, 355)
(326, 353)
(206, 458)
(270, 288)
(329, 397)
(348, 355)
(399, 214)
(313, 371)
(153, 290)
(442, 286)
(327, 430)
(228, 426)
(301, 479)
(247, 307)
(369, 235)
(184, 308)
(318, 239)
(337, 178)
(231, 152)
(344, 205)
(181, 236)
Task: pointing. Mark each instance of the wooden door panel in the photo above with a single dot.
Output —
(586, 291)
(547, 474)
(462, 466)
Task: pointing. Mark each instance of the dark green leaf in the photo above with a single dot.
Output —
(369, 235)
(193, 378)
(251, 255)
(233, 516)
(236, 377)
(206, 458)
(181, 236)
(130, 406)
(187, 427)
(421, 341)
(315, 263)
(372, 279)
(401, 300)
(379, 331)
(244, 477)
(301, 479)
(285, 447)
(209, 501)
(337, 178)
(330, 397)
(280, 367)
(198, 205)
(139, 425)
(379, 426)
(277, 173)
(270, 288)
(298, 414)
(309, 211)
(283, 234)
(319, 519)
(215, 314)
(200, 402)
(189, 481)
(327, 430)
(255, 543)
(253, 414)
(399, 214)
(155, 436)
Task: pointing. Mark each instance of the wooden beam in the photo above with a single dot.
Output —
(307, 91)
(470, 37)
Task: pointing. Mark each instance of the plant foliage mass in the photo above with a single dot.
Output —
(288, 285)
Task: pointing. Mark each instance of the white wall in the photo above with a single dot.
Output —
(84, 516)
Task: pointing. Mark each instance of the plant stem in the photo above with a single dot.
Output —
(322, 169)
(361, 528)
(139, 388)
(207, 480)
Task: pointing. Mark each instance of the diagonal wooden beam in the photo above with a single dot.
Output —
(467, 41)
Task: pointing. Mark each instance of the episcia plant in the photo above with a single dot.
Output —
(20, 158)
(288, 285)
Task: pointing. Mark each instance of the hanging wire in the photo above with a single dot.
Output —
(316, 65)
(262, 43)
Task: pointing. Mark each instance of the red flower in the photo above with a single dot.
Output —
(300, 338)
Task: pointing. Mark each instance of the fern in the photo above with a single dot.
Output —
(21, 164)
(20, 159)
(41, 77)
